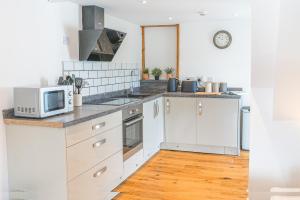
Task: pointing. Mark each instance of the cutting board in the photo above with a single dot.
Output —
(208, 93)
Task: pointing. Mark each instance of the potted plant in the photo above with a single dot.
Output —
(146, 74)
(169, 72)
(156, 72)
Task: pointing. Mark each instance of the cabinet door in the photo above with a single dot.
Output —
(150, 135)
(218, 122)
(180, 120)
(160, 125)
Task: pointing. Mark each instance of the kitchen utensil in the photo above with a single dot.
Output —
(223, 87)
(173, 84)
(78, 84)
(189, 86)
(60, 80)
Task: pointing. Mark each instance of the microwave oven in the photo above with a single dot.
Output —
(42, 102)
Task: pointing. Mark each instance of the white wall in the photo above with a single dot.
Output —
(32, 50)
(160, 47)
(199, 56)
(275, 124)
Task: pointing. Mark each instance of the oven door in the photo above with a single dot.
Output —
(132, 136)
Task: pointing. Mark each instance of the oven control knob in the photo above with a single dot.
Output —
(70, 93)
(70, 102)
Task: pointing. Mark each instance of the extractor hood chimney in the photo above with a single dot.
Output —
(97, 43)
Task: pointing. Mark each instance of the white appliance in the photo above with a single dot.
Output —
(41, 102)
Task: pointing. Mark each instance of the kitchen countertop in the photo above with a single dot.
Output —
(89, 112)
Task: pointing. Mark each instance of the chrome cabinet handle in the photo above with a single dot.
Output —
(99, 143)
(158, 110)
(100, 172)
(168, 105)
(154, 110)
(98, 126)
(200, 108)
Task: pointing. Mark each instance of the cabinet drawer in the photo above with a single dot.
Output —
(105, 123)
(88, 153)
(77, 133)
(96, 183)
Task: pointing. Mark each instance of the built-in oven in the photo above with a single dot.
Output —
(132, 130)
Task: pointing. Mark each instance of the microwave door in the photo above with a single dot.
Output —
(54, 101)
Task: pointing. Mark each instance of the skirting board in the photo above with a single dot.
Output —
(201, 149)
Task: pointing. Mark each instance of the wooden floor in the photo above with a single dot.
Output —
(174, 175)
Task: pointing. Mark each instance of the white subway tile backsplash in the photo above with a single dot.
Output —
(109, 73)
(85, 91)
(93, 74)
(97, 82)
(102, 77)
(78, 66)
(105, 65)
(68, 65)
(89, 82)
(97, 66)
(93, 90)
(101, 89)
(84, 74)
(105, 81)
(88, 66)
(101, 74)
(109, 88)
(112, 81)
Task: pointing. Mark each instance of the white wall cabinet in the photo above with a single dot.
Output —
(180, 120)
(153, 127)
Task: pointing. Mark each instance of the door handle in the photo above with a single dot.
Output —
(154, 110)
(100, 172)
(168, 105)
(98, 126)
(99, 143)
(158, 110)
(200, 108)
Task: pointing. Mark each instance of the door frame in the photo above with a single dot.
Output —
(177, 45)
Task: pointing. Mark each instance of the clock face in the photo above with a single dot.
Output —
(222, 39)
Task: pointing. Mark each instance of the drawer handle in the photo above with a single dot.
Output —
(100, 172)
(98, 126)
(99, 143)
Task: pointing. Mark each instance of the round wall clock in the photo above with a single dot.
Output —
(222, 39)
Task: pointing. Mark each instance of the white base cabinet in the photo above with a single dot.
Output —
(218, 122)
(208, 125)
(75, 163)
(153, 127)
(180, 120)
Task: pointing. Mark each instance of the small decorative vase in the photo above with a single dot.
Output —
(146, 76)
(77, 100)
(156, 78)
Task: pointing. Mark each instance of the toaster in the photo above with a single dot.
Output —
(189, 86)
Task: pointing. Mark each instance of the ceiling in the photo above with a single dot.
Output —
(159, 11)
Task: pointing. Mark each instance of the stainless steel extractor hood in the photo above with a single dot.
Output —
(97, 43)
